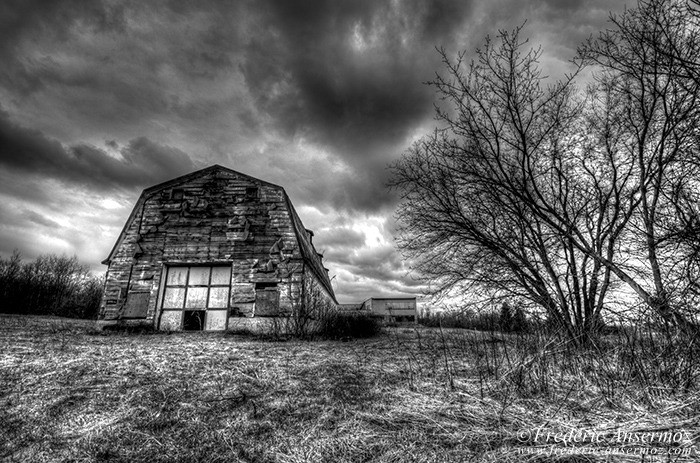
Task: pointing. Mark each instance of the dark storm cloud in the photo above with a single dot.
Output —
(356, 191)
(123, 69)
(326, 183)
(349, 74)
(24, 19)
(346, 76)
(142, 161)
(377, 263)
(317, 96)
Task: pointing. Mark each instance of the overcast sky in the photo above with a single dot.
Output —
(100, 99)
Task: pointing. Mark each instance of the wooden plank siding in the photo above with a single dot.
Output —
(215, 216)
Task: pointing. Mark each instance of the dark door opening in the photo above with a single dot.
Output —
(194, 320)
(196, 298)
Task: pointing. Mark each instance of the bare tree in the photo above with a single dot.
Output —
(671, 28)
(647, 75)
(556, 195)
(486, 197)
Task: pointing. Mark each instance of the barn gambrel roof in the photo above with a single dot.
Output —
(306, 248)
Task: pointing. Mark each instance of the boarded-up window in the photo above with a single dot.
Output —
(136, 305)
(203, 292)
(267, 300)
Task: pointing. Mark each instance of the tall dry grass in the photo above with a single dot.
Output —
(70, 393)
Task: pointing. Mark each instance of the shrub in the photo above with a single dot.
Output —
(467, 319)
(308, 308)
(338, 325)
(512, 319)
(51, 285)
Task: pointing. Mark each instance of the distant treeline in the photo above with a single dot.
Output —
(50, 285)
(509, 319)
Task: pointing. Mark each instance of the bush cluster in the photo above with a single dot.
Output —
(512, 319)
(51, 285)
(339, 325)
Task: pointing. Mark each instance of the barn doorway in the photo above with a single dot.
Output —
(196, 298)
(193, 320)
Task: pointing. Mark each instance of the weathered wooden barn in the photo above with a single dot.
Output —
(206, 249)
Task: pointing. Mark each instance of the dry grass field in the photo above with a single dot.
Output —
(71, 393)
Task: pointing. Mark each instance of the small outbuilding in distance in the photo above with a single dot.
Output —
(208, 250)
(396, 309)
(387, 309)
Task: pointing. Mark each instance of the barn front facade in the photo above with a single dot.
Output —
(210, 249)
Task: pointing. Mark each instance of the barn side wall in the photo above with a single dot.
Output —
(218, 218)
(316, 290)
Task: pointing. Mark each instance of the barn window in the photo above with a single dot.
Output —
(251, 192)
(267, 300)
(177, 193)
(198, 295)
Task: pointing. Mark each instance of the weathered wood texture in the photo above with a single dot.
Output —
(215, 216)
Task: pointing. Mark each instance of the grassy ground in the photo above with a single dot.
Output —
(69, 393)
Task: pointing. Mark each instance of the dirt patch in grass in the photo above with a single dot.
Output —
(426, 396)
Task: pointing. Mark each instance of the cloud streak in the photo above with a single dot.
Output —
(139, 163)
